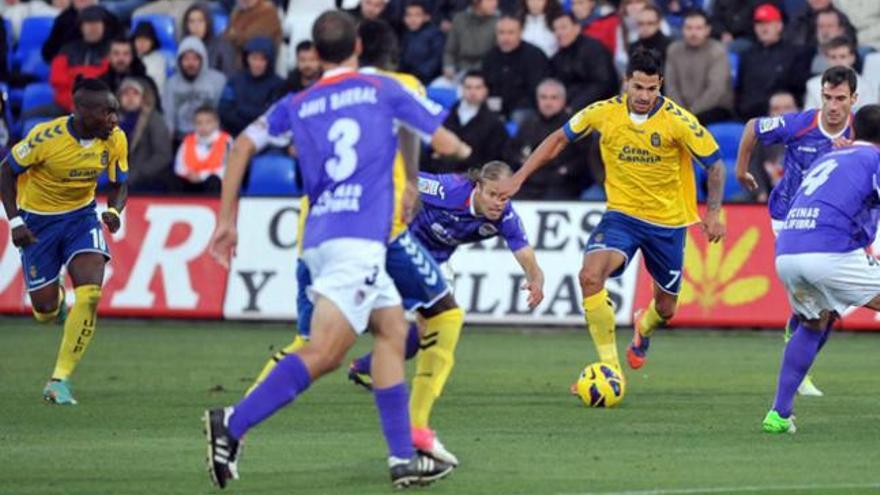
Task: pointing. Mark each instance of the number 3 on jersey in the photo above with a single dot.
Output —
(817, 176)
(344, 134)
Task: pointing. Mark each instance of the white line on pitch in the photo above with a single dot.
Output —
(735, 489)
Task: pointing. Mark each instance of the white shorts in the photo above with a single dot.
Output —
(351, 273)
(828, 281)
(776, 225)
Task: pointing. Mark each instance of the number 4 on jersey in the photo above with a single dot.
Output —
(817, 176)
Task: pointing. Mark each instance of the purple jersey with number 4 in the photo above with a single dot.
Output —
(804, 141)
(447, 218)
(343, 128)
(837, 207)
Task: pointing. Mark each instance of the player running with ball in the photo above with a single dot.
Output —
(646, 142)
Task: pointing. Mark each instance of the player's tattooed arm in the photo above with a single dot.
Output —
(744, 157)
(549, 149)
(534, 275)
(21, 235)
(712, 223)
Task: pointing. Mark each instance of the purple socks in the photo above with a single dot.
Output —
(289, 379)
(800, 352)
(393, 406)
(363, 363)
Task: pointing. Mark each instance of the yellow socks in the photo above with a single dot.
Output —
(294, 346)
(650, 321)
(47, 317)
(434, 363)
(78, 330)
(600, 322)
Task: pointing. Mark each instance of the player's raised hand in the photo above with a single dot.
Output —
(111, 220)
(536, 292)
(22, 236)
(223, 242)
(713, 226)
(841, 142)
(748, 181)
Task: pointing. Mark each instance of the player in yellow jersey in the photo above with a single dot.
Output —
(48, 188)
(646, 142)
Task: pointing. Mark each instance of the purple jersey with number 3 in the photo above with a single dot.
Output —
(837, 207)
(343, 128)
(447, 218)
(804, 141)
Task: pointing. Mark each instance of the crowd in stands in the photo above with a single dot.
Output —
(191, 75)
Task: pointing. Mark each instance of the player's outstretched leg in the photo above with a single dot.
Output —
(598, 309)
(807, 387)
(800, 352)
(659, 311)
(359, 369)
(407, 467)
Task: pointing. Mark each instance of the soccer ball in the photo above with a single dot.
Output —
(601, 385)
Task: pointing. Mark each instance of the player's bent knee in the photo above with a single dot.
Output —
(591, 280)
(666, 310)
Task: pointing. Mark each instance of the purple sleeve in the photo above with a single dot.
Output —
(775, 130)
(512, 230)
(416, 112)
(278, 119)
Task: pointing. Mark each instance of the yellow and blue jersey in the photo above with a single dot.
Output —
(648, 171)
(58, 172)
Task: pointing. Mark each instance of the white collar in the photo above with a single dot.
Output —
(471, 203)
(828, 134)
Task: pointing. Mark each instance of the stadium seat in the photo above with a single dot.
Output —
(35, 31)
(733, 58)
(733, 192)
(28, 58)
(444, 96)
(728, 135)
(165, 29)
(37, 95)
(9, 42)
(30, 61)
(512, 128)
(220, 23)
(31, 123)
(272, 175)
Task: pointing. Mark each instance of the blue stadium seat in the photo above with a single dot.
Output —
(33, 122)
(165, 29)
(444, 96)
(28, 58)
(733, 58)
(512, 128)
(272, 175)
(728, 135)
(220, 22)
(7, 26)
(30, 61)
(35, 31)
(732, 190)
(37, 95)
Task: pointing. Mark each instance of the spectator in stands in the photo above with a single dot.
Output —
(149, 142)
(805, 29)
(840, 51)
(598, 20)
(770, 66)
(85, 57)
(124, 63)
(201, 158)
(537, 17)
(830, 24)
(198, 21)
(732, 20)
(628, 31)
(470, 39)
(865, 17)
(173, 8)
(16, 12)
(146, 47)
(472, 121)
(582, 64)
(697, 73)
(650, 35)
(66, 29)
(308, 68)
(513, 69)
(250, 92)
(194, 85)
(421, 46)
(252, 18)
(443, 11)
(4, 51)
(368, 10)
(568, 174)
(766, 164)
(122, 9)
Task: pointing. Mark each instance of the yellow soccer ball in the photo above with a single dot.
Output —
(601, 385)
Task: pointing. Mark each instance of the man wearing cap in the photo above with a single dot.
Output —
(771, 65)
(86, 57)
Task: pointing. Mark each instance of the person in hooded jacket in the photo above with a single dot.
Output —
(86, 57)
(252, 90)
(198, 21)
(149, 142)
(66, 30)
(146, 45)
(193, 85)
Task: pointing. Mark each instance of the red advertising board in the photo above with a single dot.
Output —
(734, 282)
(160, 263)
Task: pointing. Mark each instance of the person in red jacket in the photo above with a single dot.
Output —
(87, 58)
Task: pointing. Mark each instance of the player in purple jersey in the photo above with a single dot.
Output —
(821, 254)
(343, 128)
(806, 136)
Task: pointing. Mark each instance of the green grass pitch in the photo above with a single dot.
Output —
(690, 422)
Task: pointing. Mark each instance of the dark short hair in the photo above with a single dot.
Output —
(832, 10)
(511, 17)
(90, 84)
(840, 41)
(646, 61)
(697, 12)
(867, 124)
(121, 40)
(475, 73)
(335, 35)
(303, 46)
(207, 108)
(838, 75)
(650, 7)
(89, 92)
(380, 47)
(420, 4)
(569, 15)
